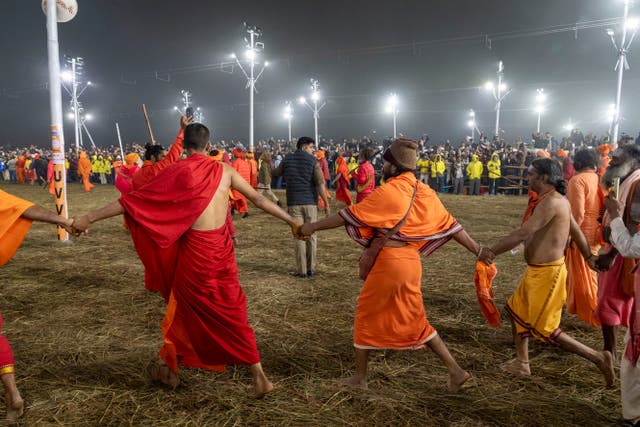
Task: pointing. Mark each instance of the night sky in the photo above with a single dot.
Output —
(360, 52)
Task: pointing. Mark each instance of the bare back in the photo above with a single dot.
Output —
(552, 220)
(215, 214)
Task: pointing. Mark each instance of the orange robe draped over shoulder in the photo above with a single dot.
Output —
(586, 200)
(206, 324)
(390, 311)
(342, 190)
(13, 227)
(244, 170)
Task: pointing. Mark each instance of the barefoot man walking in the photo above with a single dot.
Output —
(183, 210)
(390, 312)
(536, 305)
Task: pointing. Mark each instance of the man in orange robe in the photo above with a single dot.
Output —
(243, 168)
(390, 312)
(84, 170)
(253, 170)
(16, 216)
(185, 206)
(20, 163)
(586, 200)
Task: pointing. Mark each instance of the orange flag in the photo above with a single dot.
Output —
(483, 278)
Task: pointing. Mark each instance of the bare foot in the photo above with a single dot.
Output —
(353, 382)
(455, 383)
(261, 387)
(15, 409)
(517, 367)
(160, 372)
(606, 367)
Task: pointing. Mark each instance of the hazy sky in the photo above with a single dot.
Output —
(144, 51)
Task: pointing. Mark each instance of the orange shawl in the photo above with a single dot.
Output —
(13, 227)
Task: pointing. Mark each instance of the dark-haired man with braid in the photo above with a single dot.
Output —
(536, 305)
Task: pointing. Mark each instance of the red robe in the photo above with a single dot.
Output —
(149, 169)
(206, 324)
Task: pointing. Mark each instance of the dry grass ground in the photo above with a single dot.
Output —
(83, 328)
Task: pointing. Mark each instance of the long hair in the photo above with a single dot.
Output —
(552, 169)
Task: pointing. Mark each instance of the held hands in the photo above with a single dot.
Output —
(80, 225)
(486, 255)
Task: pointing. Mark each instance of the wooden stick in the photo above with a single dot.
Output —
(146, 119)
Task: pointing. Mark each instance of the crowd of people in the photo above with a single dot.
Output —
(574, 253)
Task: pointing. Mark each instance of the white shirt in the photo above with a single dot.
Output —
(623, 241)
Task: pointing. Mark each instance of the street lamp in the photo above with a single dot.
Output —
(472, 124)
(499, 91)
(392, 108)
(288, 115)
(315, 97)
(254, 47)
(541, 97)
(629, 25)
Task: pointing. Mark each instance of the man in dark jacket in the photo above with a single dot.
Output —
(305, 183)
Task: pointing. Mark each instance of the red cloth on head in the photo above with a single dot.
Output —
(483, 279)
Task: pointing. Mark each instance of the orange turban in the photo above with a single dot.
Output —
(542, 154)
(604, 149)
(562, 153)
(320, 154)
(131, 158)
(249, 155)
(237, 153)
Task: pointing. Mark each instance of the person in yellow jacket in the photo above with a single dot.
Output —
(102, 167)
(474, 172)
(352, 165)
(493, 166)
(438, 169)
(423, 166)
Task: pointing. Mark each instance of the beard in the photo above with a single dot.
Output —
(619, 171)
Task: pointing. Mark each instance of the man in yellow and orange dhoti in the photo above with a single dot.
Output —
(390, 312)
(536, 305)
(586, 199)
(16, 216)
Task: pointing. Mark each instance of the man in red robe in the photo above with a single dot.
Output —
(184, 209)
(16, 216)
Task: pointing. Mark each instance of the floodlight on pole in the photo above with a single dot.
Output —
(72, 75)
(288, 115)
(254, 47)
(315, 97)
(629, 30)
(473, 124)
(541, 97)
(499, 90)
(392, 108)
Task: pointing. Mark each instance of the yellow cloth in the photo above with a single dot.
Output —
(13, 227)
(474, 168)
(493, 166)
(536, 306)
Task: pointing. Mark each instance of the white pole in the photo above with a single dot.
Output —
(538, 128)
(395, 116)
(120, 141)
(76, 114)
(289, 128)
(93, 144)
(499, 99)
(622, 60)
(55, 104)
(251, 89)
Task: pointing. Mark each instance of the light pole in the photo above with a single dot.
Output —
(315, 97)
(499, 91)
(288, 114)
(629, 24)
(472, 124)
(253, 48)
(540, 99)
(72, 76)
(392, 108)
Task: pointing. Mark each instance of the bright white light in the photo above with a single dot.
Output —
(287, 109)
(250, 54)
(302, 100)
(233, 56)
(176, 108)
(632, 24)
(198, 109)
(89, 83)
(266, 63)
(568, 126)
(287, 115)
(388, 110)
(315, 96)
(393, 100)
(488, 86)
(66, 76)
(472, 114)
(541, 97)
(88, 117)
(71, 116)
(539, 109)
(610, 32)
(503, 87)
(471, 124)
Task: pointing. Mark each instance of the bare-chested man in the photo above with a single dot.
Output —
(536, 305)
(184, 209)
